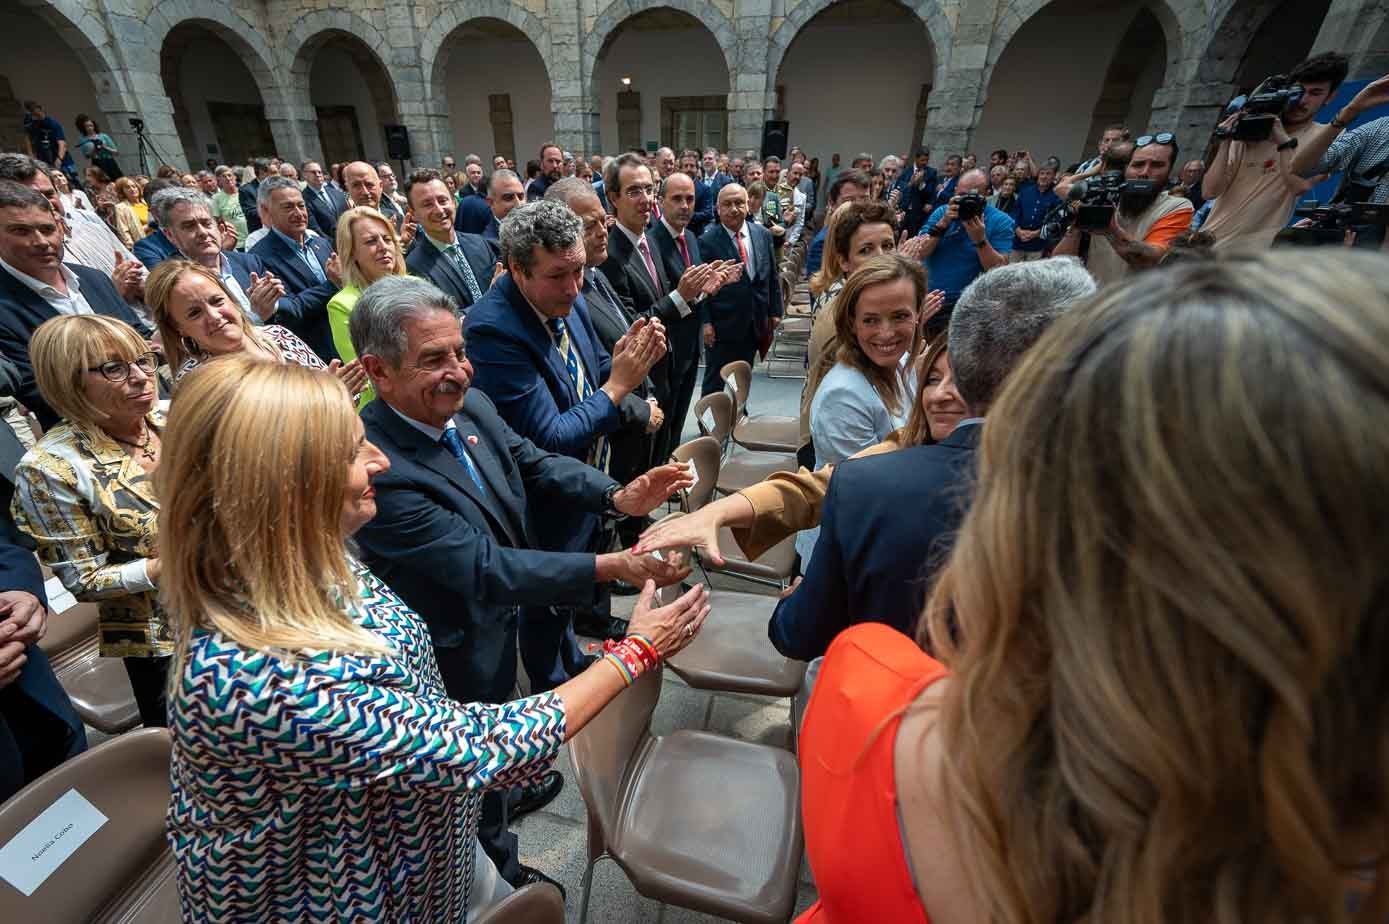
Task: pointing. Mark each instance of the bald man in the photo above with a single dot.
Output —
(364, 188)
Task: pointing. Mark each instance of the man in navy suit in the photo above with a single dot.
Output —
(185, 215)
(705, 193)
(460, 264)
(888, 520)
(504, 193)
(946, 190)
(454, 527)
(35, 285)
(638, 275)
(249, 193)
(742, 312)
(848, 186)
(916, 190)
(325, 203)
(677, 249)
(364, 188)
(38, 727)
(304, 264)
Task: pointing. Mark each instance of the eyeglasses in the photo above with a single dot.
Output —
(1159, 138)
(639, 192)
(118, 370)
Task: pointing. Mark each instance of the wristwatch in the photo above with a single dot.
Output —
(1337, 123)
(1288, 145)
(609, 508)
(935, 231)
(981, 243)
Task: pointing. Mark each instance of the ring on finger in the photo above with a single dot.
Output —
(689, 630)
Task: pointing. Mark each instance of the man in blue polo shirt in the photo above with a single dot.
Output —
(956, 252)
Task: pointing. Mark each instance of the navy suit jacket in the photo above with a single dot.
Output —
(304, 307)
(493, 233)
(916, 203)
(154, 248)
(740, 309)
(428, 262)
(462, 558)
(22, 311)
(323, 216)
(873, 562)
(474, 215)
(706, 194)
(246, 196)
(683, 334)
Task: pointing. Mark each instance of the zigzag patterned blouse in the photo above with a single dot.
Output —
(338, 787)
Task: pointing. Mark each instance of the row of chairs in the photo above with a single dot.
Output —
(98, 687)
(786, 356)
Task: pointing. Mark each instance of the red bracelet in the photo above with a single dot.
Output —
(628, 654)
(650, 656)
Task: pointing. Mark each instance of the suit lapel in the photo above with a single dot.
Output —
(26, 297)
(487, 457)
(444, 269)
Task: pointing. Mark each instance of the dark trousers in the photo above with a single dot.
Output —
(149, 679)
(721, 354)
(38, 727)
(460, 682)
(682, 396)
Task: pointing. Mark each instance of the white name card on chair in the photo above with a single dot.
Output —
(34, 853)
(59, 600)
(706, 420)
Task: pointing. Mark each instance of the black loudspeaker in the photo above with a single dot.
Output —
(774, 134)
(398, 142)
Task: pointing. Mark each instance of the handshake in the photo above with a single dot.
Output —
(664, 568)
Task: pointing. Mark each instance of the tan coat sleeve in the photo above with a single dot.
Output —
(789, 502)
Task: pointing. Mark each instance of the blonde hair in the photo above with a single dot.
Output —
(159, 288)
(253, 475)
(917, 431)
(124, 185)
(347, 250)
(880, 270)
(61, 351)
(1165, 610)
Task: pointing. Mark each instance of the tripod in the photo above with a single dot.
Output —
(144, 147)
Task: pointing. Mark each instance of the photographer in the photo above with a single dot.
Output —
(1112, 135)
(1254, 181)
(1363, 153)
(964, 238)
(1147, 219)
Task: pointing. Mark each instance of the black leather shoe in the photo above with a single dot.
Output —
(598, 627)
(529, 875)
(526, 799)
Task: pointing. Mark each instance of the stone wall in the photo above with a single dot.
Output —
(402, 44)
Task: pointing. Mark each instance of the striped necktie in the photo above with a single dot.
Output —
(560, 331)
(454, 442)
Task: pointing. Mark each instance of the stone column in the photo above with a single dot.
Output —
(573, 61)
(404, 67)
(133, 89)
(752, 91)
(958, 94)
(1357, 28)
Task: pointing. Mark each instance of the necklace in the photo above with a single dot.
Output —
(145, 447)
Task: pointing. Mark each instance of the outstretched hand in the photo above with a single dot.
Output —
(645, 493)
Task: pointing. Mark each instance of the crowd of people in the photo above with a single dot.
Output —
(1083, 510)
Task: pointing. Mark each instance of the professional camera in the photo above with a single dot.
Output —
(1257, 111)
(970, 205)
(137, 124)
(1091, 203)
(1328, 224)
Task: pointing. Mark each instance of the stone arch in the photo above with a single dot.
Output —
(86, 34)
(1236, 29)
(434, 50)
(610, 21)
(1018, 12)
(221, 21)
(362, 41)
(930, 12)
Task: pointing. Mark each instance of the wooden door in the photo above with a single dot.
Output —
(339, 134)
(242, 131)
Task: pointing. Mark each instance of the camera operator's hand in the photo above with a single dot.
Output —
(1227, 125)
(1280, 134)
(974, 227)
(952, 213)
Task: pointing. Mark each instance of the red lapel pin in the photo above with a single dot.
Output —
(472, 439)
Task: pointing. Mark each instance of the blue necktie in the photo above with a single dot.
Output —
(455, 253)
(455, 444)
(599, 457)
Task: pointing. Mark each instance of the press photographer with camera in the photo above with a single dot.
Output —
(965, 237)
(1363, 153)
(1143, 217)
(1251, 175)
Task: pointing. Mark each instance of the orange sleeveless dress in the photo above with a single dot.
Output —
(848, 789)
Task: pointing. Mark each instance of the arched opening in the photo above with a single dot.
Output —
(1049, 86)
(855, 79)
(497, 89)
(645, 101)
(1282, 40)
(351, 94)
(218, 108)
(36, 63)
(1135, 72)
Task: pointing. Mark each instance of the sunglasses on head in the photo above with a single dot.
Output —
(1159, 138)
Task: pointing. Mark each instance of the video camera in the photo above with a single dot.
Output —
(137, 124)
(1091, 203)
(1328, 224)
(970, 205)
(1257, 111)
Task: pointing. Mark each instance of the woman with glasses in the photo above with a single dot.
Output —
(84, 491)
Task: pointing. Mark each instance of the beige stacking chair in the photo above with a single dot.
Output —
(98, 687)
(764, 432)
(539, 903)
(737, 470)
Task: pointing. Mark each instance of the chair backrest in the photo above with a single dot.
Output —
(126, 779)
(604, 751)
(738, 376)
(537, 903)
(74, 627)
(704, 452)
(714, 414)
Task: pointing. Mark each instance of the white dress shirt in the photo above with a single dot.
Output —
(72, 303)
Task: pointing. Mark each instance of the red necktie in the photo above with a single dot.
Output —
(742, 253)
(650, 264)
(684, 251)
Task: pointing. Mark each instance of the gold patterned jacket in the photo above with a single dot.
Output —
(91, 508)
